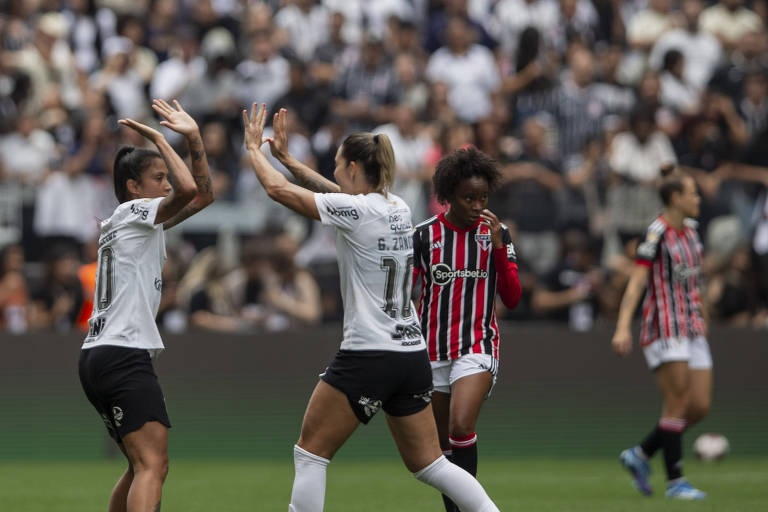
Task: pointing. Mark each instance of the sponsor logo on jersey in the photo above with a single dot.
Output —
(511, 254)
(407, 335)
(140, 212)
(158, 284)
(442, 274)
(483, 240)
(437, 245)
(343, 211)
(370, 407)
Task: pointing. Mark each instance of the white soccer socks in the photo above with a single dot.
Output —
(308, 493)
(457, 484)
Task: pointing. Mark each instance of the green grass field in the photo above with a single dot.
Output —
(596, 485)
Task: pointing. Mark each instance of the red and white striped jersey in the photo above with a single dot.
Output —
(672, 305)
(459, 271)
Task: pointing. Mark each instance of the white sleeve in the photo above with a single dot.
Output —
(142, 212)
(342, 211)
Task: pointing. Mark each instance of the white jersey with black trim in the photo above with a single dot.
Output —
(128, 278)
(375, 252)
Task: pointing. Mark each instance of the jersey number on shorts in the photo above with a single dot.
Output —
(105, 279)
(391, 267)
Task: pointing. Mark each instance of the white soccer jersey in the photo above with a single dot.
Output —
(375, 251)
(128, 278)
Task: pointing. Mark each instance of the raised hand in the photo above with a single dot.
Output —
(494, 226)
(278, 144)
(175, 118)
(254, 126)
(147, 132)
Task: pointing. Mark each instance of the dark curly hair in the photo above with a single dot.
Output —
(460, 165)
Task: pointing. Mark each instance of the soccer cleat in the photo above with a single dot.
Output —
(638, 468)
(682, 490)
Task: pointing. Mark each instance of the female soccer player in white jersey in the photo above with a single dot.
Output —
(673, 332)
(382, 363)
(462, 257)
(156, 191)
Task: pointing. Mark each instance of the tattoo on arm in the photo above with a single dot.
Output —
(309, 178)
(315, 183)
(157, 507)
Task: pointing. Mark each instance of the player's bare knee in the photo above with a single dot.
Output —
(462, 427)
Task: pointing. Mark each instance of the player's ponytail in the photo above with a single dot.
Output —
(671, 182)
(375, 154)
(130, 163)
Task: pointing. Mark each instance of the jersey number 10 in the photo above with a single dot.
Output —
(105, 279)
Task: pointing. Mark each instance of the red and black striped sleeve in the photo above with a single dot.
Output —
(505, 260)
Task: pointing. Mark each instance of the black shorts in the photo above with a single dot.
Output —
(121, 384)
(398, 382)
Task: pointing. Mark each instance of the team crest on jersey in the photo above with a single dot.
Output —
(370, 407)
(483, 240)
(117, 415)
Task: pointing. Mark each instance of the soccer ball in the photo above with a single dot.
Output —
(710, 447)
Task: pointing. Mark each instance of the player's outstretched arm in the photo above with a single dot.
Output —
(278, 145)
(184, 188)
(278, 187)
(622, 338)
(181, 122)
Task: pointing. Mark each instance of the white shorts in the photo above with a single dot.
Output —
(665, 350)
(445, 373)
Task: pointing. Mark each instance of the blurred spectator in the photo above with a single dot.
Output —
(222, 158)
(636, 156)
(265, 75)
(366, 92)
(749, 56)
(27, 152)
(306, 23)
(410, 143)
(81, 17)
(571, 291)
(701, 50)
(290, 294)
(58, 300)
(48, 61)
(308, 102)
(203, 291)
(511, 17)
(468, 70)
(334, 54)
(754, 106)
(171, 314)
(14, 292)
(434, 33)
(120, 81)
(183, 66)
(527, 197)
(676, 92)
(648, 25)
(729, 21)
(577, 22)
(215, 92)
(578, 108)
(731, 290)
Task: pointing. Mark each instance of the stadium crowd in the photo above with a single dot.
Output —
(580, 101)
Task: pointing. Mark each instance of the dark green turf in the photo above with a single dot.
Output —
(588, 485)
